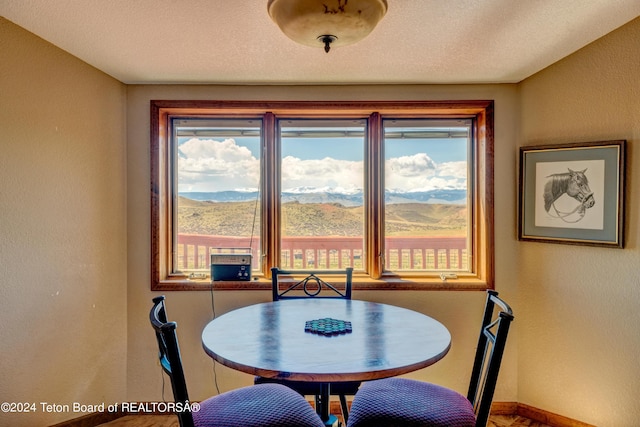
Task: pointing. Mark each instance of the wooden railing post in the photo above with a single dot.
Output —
(329, 251)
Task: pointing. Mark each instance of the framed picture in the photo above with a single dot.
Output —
(573, 193)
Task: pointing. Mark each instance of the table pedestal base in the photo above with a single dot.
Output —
(323, 405)
(333, 421)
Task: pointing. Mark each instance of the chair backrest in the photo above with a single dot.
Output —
(493, 337)
(170, 360)
(311, 286)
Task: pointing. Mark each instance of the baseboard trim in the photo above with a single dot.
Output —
(546, 417)
(504, 408)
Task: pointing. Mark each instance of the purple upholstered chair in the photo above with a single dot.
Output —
(396, 402)
(267, 405)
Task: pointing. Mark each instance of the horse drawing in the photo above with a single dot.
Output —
(575, 184)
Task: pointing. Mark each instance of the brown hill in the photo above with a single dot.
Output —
(320, 219)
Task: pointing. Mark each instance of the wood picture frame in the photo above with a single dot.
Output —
(573, 193)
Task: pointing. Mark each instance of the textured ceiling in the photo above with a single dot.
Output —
(235, 41)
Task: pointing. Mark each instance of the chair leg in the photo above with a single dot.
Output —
(345, 408)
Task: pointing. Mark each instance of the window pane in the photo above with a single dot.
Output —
(322, 180)
(218, 181)
(427, 218)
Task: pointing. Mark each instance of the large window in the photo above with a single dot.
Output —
(321, 194)
(402, 192)
(426, 195)
(216, 170)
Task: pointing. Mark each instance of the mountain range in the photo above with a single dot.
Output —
(439, 196)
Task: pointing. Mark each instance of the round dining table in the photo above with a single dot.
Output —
(288, 339)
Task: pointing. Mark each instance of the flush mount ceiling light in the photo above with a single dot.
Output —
(326, 23)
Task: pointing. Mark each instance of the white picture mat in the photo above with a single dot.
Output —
(593, 218)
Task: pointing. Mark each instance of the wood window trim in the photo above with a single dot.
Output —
(482, 183)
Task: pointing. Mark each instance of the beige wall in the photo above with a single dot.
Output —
(74, 253)
(62, 225)
(579, 319)
(460, 311)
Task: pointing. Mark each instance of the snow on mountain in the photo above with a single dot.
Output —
(345, 198)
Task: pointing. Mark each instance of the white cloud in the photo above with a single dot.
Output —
(209, 165)
(420, 173)
(411, 166)
(454, 170)
(209, 148)
(321, 173)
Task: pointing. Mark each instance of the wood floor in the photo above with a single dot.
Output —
(172, 421)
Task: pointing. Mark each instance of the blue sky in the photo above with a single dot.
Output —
(440, 150)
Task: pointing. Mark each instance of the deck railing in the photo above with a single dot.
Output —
(401, 253)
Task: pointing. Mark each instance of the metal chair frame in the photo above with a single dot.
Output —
(447, 406)
(486, 364)
(312, 286)
(170, 360)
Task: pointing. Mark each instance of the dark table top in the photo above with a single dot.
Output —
(269, 340)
